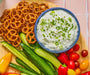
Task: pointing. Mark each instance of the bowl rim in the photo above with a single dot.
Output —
(51, 9)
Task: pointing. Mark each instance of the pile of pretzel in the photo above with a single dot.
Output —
(20, 19)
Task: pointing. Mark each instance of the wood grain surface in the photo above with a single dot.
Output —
(81, 41)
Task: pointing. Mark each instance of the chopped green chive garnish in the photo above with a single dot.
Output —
(58, 27)
(50, 37)
(52, 31)
(58, 18)
(42, 29)
(75, 27)
(43, 22)
(53, 13)
(48, 19)
(56, 37)
(49, 33)
(66, 22)
(59, 40)
(62, 20)
(64, 17)
(61, 47)
(61, 23)
(65, 29)
(60, 31)
(56, 43)
(43, 35)
(52, 34)
(69, 35)
(63, 34)
(53, 22)
(70, 19)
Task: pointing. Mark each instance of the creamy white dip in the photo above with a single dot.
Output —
(57, 30)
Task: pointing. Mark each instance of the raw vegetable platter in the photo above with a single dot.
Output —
(81, 42)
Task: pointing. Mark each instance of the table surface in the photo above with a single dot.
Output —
(81, 8)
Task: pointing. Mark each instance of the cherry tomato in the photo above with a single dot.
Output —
(76, 47)
(71, 64)
(77, 64)
(70, 51)
(84, 53)
(84, 65)
(78, 71)
(74, 56)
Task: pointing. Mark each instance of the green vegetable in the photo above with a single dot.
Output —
(53, 13)
(23, 38)
(62, 20)
(43, 22)
(70, 19)
(41, 62)
(61, 47)
(23, 53)
(48, 57)
(24, 74)
(20, 56)
(24, 65)
(43, 35)
(52, 67)
(53, 22)
(56, 43)
(58, 27)
(69, 35)
(42, 29)
(63, 35)
(43, 53)
(22, 69)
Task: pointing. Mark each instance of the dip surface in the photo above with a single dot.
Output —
(57, 30)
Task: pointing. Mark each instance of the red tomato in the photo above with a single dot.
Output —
(76, 47)
(70, 51)
(77, 64)
(84, 53)
(71, 64)
(74, 56)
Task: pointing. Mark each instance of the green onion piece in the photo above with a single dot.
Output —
(58, 18)
(43, 35)
(52, 31)
(60, 31)
(42, 29)
(43, 22)
(61, 23)
(75, 27)
(56, 37)
(58, 27)
(62, 20)
(66, 22)
(61, 47)
(50, 37)
(53, 22)
(70, 19)
(63, 34)
(49, 33)
(69, 35)
(65, 29)
(52, 12)
(59, 40)
(56, 43)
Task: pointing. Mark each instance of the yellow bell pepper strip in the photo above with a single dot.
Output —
(10, 74)
(71, 72)
(4, 62)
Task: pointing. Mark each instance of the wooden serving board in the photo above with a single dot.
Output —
(81, 42)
